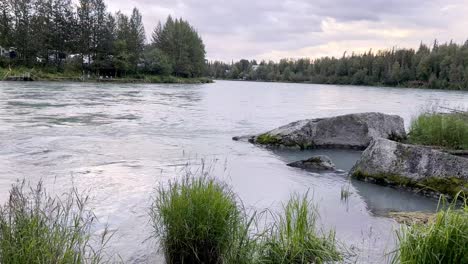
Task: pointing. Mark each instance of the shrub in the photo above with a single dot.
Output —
(295, 239)
(436, 129)
(442, 240)
(37, 228)
(198, 220)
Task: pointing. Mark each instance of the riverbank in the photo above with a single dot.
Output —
(39, 75)
(412, 85)
(200, 219)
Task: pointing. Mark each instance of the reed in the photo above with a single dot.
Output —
(38, 228)
(438, 129)
(443, 240)
(294, 237)
(198, 220)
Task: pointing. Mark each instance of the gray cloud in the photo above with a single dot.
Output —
(295, 28)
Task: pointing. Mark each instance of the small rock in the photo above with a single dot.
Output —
(315, 163)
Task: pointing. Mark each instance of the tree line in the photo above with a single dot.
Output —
(59, 35)
(442, 66)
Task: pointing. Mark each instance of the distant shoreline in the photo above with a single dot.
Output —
(29, 75)
(402, 86)
(183, 81)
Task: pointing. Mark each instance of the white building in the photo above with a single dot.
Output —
(4, 52)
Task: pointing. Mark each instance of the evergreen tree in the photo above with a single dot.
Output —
(22, 11)
(182, 45)
(5, 24)
(136, 39)
(444, 66)
(85, 23)
(122, 55)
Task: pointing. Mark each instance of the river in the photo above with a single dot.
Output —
(118, 142)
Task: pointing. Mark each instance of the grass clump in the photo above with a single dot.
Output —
(438, 129)
(294, 237)
(198, 220)
(443, 240)
(37, 228)
(345, 193)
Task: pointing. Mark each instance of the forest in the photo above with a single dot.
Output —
(61, 36)
(84, 38)
(442, 66)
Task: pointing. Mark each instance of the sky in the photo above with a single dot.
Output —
(275, 29)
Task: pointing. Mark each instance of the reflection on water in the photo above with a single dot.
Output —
(119, 141)
(381, 200)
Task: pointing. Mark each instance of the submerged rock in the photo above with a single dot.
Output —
(315, 163)
(411, 218)
(420, 168)
(354, 131)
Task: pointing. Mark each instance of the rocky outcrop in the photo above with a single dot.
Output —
(416, 167)
(347, 131)
(316, 164)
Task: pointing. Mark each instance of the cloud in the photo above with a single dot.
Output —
(273, 29)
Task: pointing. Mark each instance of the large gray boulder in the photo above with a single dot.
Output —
(416, 167)
(317, 163)
(346, 131)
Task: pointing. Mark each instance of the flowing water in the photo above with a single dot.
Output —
(119, 141)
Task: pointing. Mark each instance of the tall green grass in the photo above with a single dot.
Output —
(294, 237)
(38, 228)
(198, 220)
(442, 240)
(437, 129)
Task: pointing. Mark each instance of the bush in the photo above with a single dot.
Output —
(443, 240)
(295, 239)
(37, 228)
(436, 129)
(198, 220)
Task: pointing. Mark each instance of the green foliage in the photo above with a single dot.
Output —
(442, 240)
(87, 38)
(197, 220)
(442, 67)
(179, 41)
(437, 129)
(37, 228)
(157, 62)
(294, 237)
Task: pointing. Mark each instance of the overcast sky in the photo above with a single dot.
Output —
(274, 29)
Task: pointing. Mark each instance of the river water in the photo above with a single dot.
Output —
(117, 142)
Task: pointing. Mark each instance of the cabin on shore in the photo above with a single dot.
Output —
(8, 52)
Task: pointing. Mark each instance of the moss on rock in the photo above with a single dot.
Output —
(448, 186)
(268, 139)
